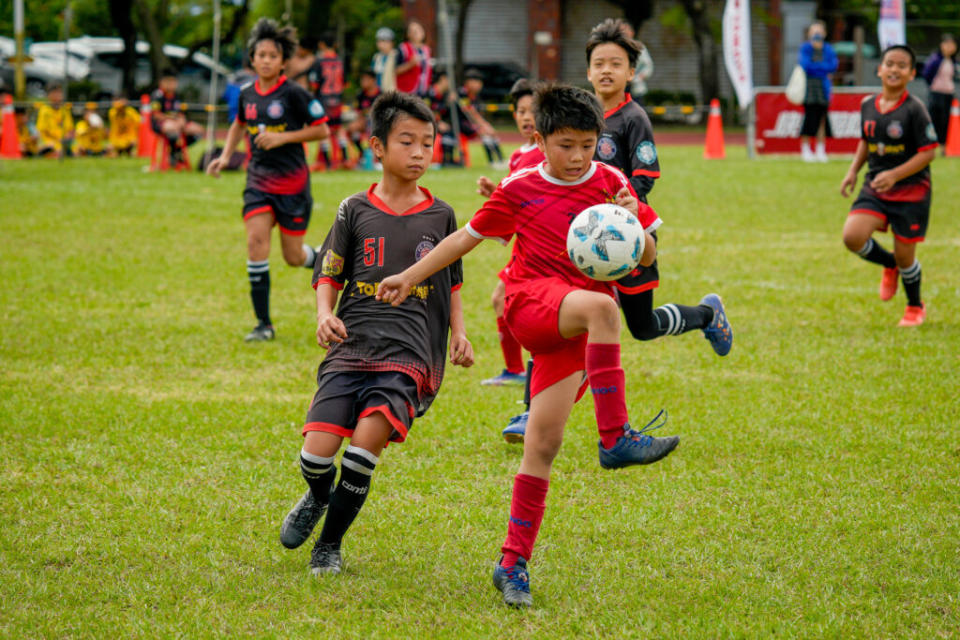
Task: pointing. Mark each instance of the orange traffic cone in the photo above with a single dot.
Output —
(953, 131)
(714, 146)
(146, 142)
(9, 138)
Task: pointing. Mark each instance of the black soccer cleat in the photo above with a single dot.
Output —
(514, 583)
(261, 333)
(325, 558)
(301, 521)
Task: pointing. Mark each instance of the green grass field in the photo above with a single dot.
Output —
(148, 454)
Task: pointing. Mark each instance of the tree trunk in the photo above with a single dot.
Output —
(461, 38)
(123, 21)
(706, 48)
(158, 59)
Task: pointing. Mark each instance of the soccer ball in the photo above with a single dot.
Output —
(605, 242)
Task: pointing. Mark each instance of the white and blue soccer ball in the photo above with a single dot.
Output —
(605, 242)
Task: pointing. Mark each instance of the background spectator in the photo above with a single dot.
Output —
(940, 72)
(385, 60)
(298, 67)
(26, 133)
(91, 138)
(54, 124)
(819, 61)
(413, 75)
(124, 127)
(638, 86)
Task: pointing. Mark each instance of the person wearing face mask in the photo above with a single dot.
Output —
(819, 61)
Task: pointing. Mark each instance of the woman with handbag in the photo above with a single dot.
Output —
(819, 61)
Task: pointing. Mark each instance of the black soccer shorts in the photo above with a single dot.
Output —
(908, 218)
(344, 397)
(291, 211)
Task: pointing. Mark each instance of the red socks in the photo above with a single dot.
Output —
(607, 385)
(512, 356)
(526, 514)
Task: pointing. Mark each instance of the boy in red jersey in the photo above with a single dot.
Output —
(528, 155)
(278, 116)
(899, 142)
(384, 365)
(570, 323)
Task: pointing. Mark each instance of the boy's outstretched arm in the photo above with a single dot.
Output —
(396, 288)
(461, 351)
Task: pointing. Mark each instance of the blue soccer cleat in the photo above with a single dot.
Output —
(636, 447)
(516, 429)
(718, 332)
(506, 379)
(514, 583)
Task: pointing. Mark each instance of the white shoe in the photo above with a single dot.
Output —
(821, 153)
(807, 154)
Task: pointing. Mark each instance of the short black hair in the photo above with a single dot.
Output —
(560, 106)
(267, 29)
(20, 110)
(438, 76)
(328, 38)
(612, 31)
(473, 74)
(391, 106)
(900, 47)
(54, 86)
(521, 88)
(369, 72)
(308, 42)
(168, 72)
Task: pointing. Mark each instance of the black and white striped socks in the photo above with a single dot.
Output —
(357, 466)
(674, 319)
(873, 252)
(258, 272)
(319, 473)
(911, 283)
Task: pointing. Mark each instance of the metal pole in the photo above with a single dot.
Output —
(444, 19)
(19, 82)
(212, 96)
(67, 15)
(752, 127)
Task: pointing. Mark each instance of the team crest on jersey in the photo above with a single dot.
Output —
(423, 249)
(646, 152)
(931, 133)
(250, 111)
(316, 109)
(895, 129)
(332, 264)
(275, 109)
(606, 148)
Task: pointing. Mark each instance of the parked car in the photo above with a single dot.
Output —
(41, 71)
(102, 56)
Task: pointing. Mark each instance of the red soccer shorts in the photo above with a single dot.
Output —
(532, 312)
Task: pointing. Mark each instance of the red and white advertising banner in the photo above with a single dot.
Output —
(777, 121)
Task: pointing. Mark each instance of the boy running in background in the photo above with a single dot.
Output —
(278, 117)
(898, 141)
(384, 365)
(54, 124)
(124, 127)
(528, 155)
(326, 80)
(569, 322)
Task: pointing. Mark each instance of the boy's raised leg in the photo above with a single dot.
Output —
(317, 468)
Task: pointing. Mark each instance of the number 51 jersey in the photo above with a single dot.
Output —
(368, 242)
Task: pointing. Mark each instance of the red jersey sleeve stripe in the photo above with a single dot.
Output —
(330, 281)
(456, 287)
(927, 147)
(479, 236)
(319, 121)
(645, 172)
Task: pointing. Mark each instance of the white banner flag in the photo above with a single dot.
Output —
(891, 27)
(737, 54)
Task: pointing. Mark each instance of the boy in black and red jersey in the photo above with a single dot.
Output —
(627, 143)
(384, 364)
(569, 322)
(359, 128)
(326, 80)
(898, 141)
(170, 120)
(278, 116)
